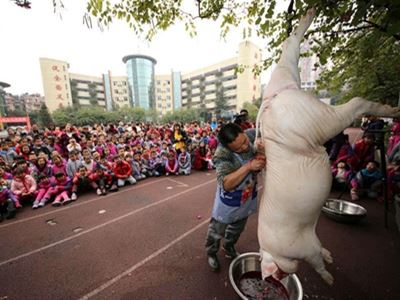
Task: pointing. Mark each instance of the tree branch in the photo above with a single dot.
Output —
(382, 29)
(23, 3)
(355, 29)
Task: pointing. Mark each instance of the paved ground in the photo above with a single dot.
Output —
(147, 242)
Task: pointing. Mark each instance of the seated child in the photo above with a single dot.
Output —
(367, 181)
(103, 179)
(7, 200)
(5, 178)
(154, 164)
(123, 172)
(82, 182)
(44, 185)
(136, 170)
(73, 163)
(171, 166)
(41, 168)
(23, 186)
(342, 176)
(58, 165)
(184, 162)
(89, 163)
(61, 190)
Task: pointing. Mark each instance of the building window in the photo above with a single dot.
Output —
(158, 82)
(169, 105)
(168, 90)
(158, 90)
(159, 98)
(124, 83)
(125, 98)
(168, 97)
(115, 83)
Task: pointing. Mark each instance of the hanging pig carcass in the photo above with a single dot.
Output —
(294, 126)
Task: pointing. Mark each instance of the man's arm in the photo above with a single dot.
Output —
(232, 180)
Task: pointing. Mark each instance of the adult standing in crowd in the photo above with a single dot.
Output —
(178, 138)
(237, 164)
(243, 120)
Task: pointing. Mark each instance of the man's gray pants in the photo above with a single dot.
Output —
(217, 231)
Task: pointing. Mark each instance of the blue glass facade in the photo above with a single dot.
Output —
(140, 71)
(176, 83)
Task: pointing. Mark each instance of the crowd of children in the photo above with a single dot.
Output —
(354, 168)
(57, 165)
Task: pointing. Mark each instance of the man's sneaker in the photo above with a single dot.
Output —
(230, 252)
(42, 203)
(17, 204)
(213, 262)
(98, 192)
(56, 203)
(103, 192)
(35, 204)
(74, 197)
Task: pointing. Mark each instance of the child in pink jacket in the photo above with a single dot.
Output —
(44, 185)
(23, 187)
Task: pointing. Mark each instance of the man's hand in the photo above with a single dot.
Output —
(258, 163)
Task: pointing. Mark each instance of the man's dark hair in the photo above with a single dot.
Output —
(229, 133)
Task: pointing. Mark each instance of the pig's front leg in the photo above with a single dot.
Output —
(340, 117)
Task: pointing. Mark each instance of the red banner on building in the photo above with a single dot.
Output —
(26, 120)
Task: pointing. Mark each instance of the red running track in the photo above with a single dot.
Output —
(147, 242)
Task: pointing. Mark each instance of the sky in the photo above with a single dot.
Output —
(28, 34)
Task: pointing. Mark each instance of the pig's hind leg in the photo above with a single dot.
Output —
(327, 256)
(316, 259)
(286, 74)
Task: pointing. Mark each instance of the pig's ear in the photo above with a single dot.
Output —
(268, 266)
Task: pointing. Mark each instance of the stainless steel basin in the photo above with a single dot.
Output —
(249, 262)
(343, 211)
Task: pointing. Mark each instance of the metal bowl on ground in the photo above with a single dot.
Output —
(344, 211)
(250, 262)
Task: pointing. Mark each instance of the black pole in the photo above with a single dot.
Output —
(380, 143)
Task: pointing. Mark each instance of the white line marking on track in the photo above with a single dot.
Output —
(135, 187)
(178, 182)
(103, 225)
(141, 263)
